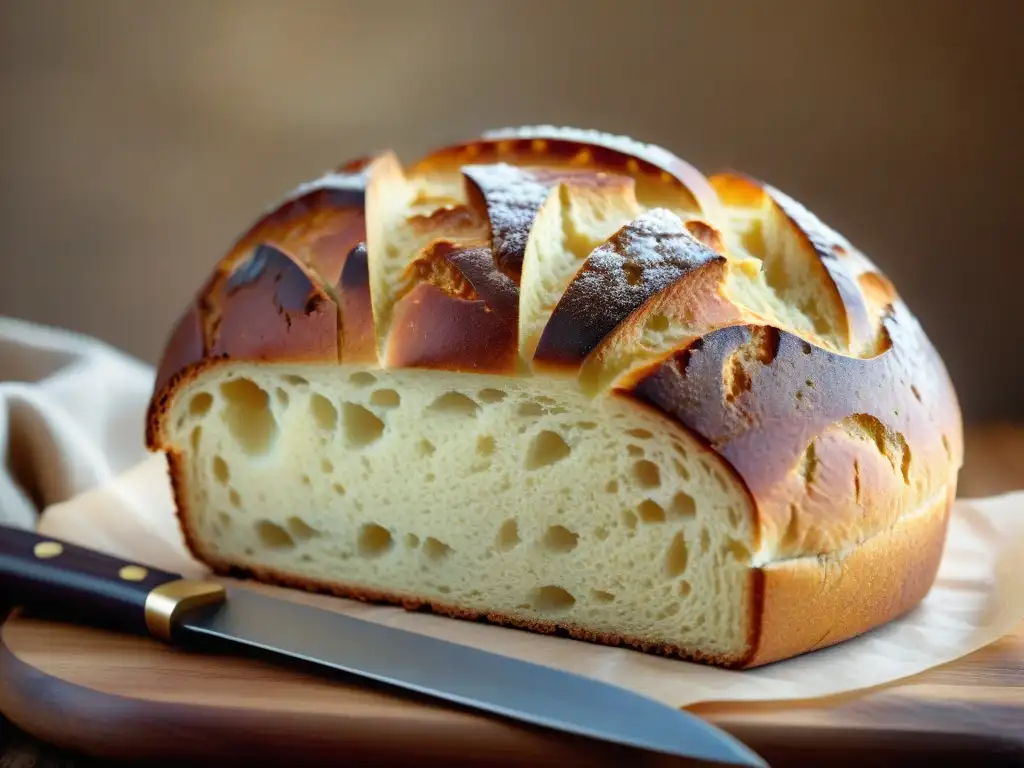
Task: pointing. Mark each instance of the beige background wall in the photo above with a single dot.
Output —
(138, 138)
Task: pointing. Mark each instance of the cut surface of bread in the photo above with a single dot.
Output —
(562, 380)
(494, 494)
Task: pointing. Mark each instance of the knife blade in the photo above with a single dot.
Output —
(83, 584)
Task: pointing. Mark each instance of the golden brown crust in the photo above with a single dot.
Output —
(814, 602)
(766, 401)
(839, 450)
(442, 332)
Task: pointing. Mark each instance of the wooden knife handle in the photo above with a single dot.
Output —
(81, 584)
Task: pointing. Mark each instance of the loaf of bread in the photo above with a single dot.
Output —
(564, 381)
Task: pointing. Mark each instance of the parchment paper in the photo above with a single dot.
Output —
(979, 597)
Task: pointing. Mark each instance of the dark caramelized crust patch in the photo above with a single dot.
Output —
(640, 260)
(513, 197)
(271, 309)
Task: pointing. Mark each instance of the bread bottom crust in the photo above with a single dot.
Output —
(796, 606)
(809, 603)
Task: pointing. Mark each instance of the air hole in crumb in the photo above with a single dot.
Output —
(306, 480)
(326, 466)
(491, 395)
(425, 448)
(456, 404)
(683, 505)
(634, 450)
(647, 474)
(640, 434)
(629, 519)
(651, 511)
(339, 489)
(485, 445)
(282, 397)
(301, 529)
(435, 550)
(601, 533)
(220, 470)
(324, 413)
(681, 469)
(916, 391)
(362, 427)
(737, 551)
(684, 588)
(362, 379)
(545, 449)
(945, 444)
(530, 409)
(200, 404)
(551, 599)
(296, 381)
(430, 477)
(508, 536)
(234, 498)
(588, 425)
(225, 519)
(677, 556)
(612, 486)
(374, 540)
(560, 539)
(273, 536)
(386, 398)
(705, 541)
(600, 596)
(248, 416)
(411, 540)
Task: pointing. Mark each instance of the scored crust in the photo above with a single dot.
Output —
(720, 302)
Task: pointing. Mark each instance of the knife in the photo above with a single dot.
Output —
(81, 584)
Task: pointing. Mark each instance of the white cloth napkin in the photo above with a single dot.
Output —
(71, 416)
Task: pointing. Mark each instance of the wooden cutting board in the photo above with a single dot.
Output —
(126, 697)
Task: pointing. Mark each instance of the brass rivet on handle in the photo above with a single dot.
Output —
(47, 549)
(133, 573)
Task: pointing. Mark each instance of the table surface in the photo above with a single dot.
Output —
(994, 464)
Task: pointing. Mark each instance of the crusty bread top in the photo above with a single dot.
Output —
(720, 301)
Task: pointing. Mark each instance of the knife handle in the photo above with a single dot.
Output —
(82, 584)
